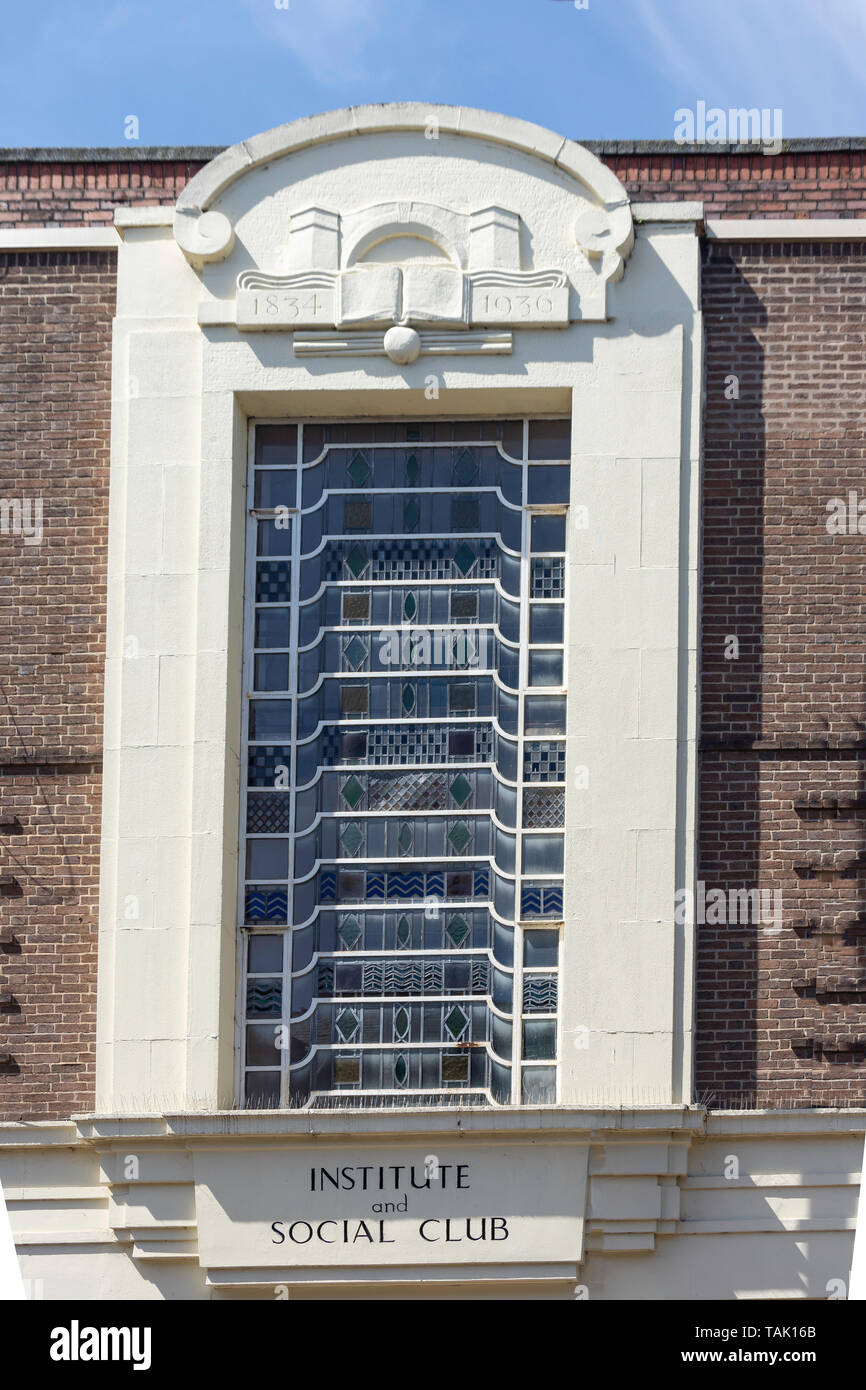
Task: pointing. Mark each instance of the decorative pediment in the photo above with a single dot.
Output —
(408, 264)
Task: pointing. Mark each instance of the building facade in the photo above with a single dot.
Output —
(432, 786)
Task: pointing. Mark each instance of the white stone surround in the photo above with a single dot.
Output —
(491, 200)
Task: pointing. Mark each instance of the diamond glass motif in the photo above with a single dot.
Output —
(352, 838)
(352, 792)
(457, 929)
(359, 469)
(347, 1023)
(461, 789)
(357, 560)
(459, 836)
(465, 468)
(464, 558)
(456, 1021)
(356, 652)
(349, 932)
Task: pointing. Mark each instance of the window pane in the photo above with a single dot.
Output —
(461, 743)
(356, 608)
(272, 627)
(276, 444)
(461, 697)
(541, 948)
(544, 714)
(539, 1086)
(546, 622)
(267, 858)
(548, 534)
(545, 668)
(271, 719)
(550, 439)
(543, 854)
(265, 955)
(272, 673)
(464, 606)
(539, 1039)
(262, 1089)
(276, 488)
(262, 1049)
(549, 483)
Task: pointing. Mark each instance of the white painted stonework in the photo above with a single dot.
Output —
(403, 261)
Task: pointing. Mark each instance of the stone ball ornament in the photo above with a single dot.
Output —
(403, 345)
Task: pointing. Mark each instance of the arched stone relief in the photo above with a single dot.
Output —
(482, 271)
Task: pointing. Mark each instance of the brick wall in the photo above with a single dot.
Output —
(800, 183)
(783, 806)
(55, 351)
(777, 1011)
(81, 193)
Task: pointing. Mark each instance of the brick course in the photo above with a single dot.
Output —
(55, 356)
(785, 717)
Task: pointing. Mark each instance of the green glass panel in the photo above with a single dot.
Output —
(461, 789)
(359, 469)
(459, 836)
(411, 514)
(410, 607)
(401, 1070)
(413, 470)
(347, 1023)
(408, 698)
(401, 1023)
(457, 930)
(352, 792)
(356, 652)
(349, 932)
(352, 838)
(456, 1021)
(357, 560)
(464, 558)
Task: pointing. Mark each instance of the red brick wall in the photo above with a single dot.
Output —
(823, 184)
(785, 719)
(55, 351)
(819, 184)
(78, 194)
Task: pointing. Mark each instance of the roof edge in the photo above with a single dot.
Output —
(129, 154)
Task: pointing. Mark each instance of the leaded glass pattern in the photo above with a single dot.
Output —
(408, 952)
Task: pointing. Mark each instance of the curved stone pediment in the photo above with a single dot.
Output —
(491, 222)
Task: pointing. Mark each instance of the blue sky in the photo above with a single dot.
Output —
(209, 72)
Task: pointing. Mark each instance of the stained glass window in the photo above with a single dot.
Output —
(403, 880)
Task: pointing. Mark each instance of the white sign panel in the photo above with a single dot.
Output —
(327, 1206)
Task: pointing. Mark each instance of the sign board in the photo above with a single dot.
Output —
(324, 1205)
